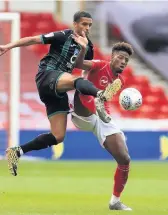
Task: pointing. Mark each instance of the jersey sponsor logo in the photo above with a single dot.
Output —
(49, 35)
(69, 65)
(76, 52)
(74, 56)
(103, 81)
(73, 59)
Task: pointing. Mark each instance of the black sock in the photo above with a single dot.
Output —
(85, 87)
(40, 142)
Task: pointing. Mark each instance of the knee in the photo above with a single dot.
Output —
(58, 135)
(124, 159)
(72, 79)
(77, 81)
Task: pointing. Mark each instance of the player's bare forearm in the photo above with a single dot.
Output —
(81, 63)
(26, 41)
(83, 42)
(80, 58)
(86, 65)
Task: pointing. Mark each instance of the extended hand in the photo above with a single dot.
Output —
(3, 49)
(81, 40)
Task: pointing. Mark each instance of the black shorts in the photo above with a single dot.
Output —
(46, 82)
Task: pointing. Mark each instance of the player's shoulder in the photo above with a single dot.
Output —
(99, 63)
(66, 32)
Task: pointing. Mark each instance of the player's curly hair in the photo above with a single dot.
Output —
(122, 46)
(81, 14)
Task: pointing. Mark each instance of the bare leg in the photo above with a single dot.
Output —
(58, 124)
(116, 146)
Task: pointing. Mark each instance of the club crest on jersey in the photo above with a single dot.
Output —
(104, 81)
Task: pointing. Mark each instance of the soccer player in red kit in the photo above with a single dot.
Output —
(84, 117)
(100, 74)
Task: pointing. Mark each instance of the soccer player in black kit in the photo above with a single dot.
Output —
(54, 79)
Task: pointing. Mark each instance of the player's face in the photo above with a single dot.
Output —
(119, 61)
(84, 24)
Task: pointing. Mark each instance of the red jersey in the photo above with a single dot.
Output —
(100, 75)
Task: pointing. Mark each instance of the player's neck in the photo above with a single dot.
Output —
(74, 31)
(112, 70)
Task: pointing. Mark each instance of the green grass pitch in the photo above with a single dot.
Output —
(81, 188)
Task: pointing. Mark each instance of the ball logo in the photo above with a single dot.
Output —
(103, 81)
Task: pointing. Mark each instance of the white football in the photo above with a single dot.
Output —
(130, 99)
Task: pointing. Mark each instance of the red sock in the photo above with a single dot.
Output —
(120, 179)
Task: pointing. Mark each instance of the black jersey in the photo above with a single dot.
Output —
(63, 51)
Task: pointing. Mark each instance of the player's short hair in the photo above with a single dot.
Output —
(122, 46)
(78, 15)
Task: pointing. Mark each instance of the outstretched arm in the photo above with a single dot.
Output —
(85, 65)
(80, 62)
(25, 41)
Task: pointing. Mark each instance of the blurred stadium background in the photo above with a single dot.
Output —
(70, 186)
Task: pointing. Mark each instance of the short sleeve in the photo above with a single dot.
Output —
(53, 37)
(96, 64)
